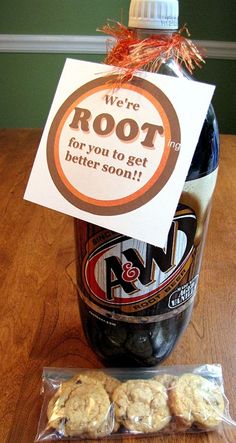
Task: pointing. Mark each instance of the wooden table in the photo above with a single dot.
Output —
(39, 319)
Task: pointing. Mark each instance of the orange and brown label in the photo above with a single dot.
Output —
(114, 157)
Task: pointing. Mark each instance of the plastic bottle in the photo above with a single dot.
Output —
(143, 332)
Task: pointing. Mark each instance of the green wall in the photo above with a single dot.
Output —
(28, 81)
(208, 20)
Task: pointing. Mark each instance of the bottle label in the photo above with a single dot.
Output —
(124, 277)
(130, 276)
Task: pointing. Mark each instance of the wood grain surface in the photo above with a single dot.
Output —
(39, 318)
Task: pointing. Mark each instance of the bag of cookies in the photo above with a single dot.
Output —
(93, 403)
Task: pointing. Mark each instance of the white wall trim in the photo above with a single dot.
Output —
(218, 49)
(91, 44)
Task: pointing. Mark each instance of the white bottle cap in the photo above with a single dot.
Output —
(154, 14)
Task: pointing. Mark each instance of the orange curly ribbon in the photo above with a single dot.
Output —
(132, 53)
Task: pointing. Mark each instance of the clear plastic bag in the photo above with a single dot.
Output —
(93, 403)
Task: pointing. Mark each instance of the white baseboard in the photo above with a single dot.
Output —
(91, 44)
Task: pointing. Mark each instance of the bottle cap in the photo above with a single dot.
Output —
(154, 14)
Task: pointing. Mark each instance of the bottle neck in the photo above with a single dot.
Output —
(143, 33)
(168, 66)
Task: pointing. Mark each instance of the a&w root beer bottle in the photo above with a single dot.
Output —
(136, 299)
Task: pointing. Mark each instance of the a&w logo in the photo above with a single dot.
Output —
(125, 271)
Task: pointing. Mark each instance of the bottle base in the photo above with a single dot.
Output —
(121, 344)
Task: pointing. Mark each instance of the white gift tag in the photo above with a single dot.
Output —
(118, 157)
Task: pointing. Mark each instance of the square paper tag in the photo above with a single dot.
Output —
(118, 156)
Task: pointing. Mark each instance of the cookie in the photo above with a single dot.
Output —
(141, 405)
(81, 407)
(195, 400)
(64, 390)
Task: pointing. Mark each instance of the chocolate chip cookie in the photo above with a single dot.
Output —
(81, 407)
(141, 406)
(195, 400)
